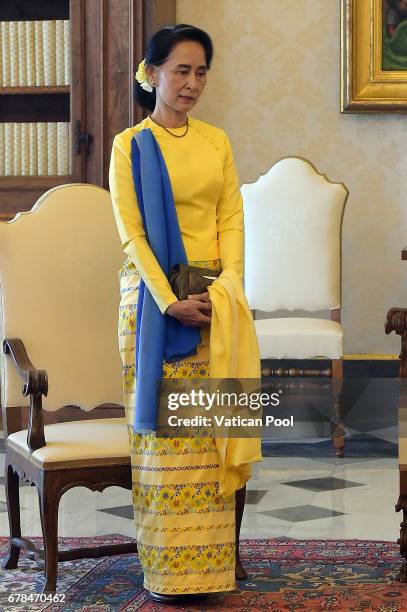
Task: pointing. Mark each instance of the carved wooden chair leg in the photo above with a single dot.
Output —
(338, 431)
(10, 560)
(49, 502)
(402, 505)
(240, 498)
(396, 320)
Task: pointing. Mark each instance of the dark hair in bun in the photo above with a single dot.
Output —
(159, 48)
(392, 4)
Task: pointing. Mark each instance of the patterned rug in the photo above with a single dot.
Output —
(284, 574)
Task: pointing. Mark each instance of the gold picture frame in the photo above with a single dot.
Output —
(365, 86)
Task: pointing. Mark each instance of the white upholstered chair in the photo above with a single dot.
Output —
(293, 224)
(59, 289)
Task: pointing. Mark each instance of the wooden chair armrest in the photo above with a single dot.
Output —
(35, 385)
(396, 320)
(35, 381)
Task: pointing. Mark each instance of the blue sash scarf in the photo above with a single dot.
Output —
(158, 336)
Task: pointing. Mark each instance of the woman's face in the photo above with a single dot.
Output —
(182, 78)
(402, 6)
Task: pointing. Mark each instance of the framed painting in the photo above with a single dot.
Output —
(374, 56)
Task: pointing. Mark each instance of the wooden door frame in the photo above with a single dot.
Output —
(77, 101)
(108, 40)
(146, 16)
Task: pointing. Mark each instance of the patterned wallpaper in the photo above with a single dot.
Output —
(274, 87)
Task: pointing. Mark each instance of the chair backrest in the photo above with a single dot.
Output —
(59, 293)
(293, 221)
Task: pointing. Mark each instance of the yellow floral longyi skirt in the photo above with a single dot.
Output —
(185, 531)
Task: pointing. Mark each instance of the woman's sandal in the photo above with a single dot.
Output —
(165, 599)
(177, 598)
(240, 574)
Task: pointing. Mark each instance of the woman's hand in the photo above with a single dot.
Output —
(194, 312)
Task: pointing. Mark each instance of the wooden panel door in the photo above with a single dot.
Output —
(108, 39)
(45, 104)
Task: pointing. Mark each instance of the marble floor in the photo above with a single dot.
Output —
(300, 490)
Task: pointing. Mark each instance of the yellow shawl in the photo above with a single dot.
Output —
(234, 353)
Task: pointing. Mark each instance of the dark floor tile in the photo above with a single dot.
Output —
(389, 434)
(360, 446)
(329, 483)
(123, 511)
(253, 497)
(298, 514)
(372, 368)
(366, 404)
(370, 404)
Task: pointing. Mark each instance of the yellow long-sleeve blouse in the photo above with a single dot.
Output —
(207, 198)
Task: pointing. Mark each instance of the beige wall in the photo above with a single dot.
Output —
(274, 87)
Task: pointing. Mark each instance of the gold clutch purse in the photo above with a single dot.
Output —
(187, 280)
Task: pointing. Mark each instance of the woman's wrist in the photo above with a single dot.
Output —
(170, 308)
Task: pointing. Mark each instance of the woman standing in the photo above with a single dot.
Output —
(186, 532)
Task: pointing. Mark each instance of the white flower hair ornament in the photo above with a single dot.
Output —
(142, 78)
